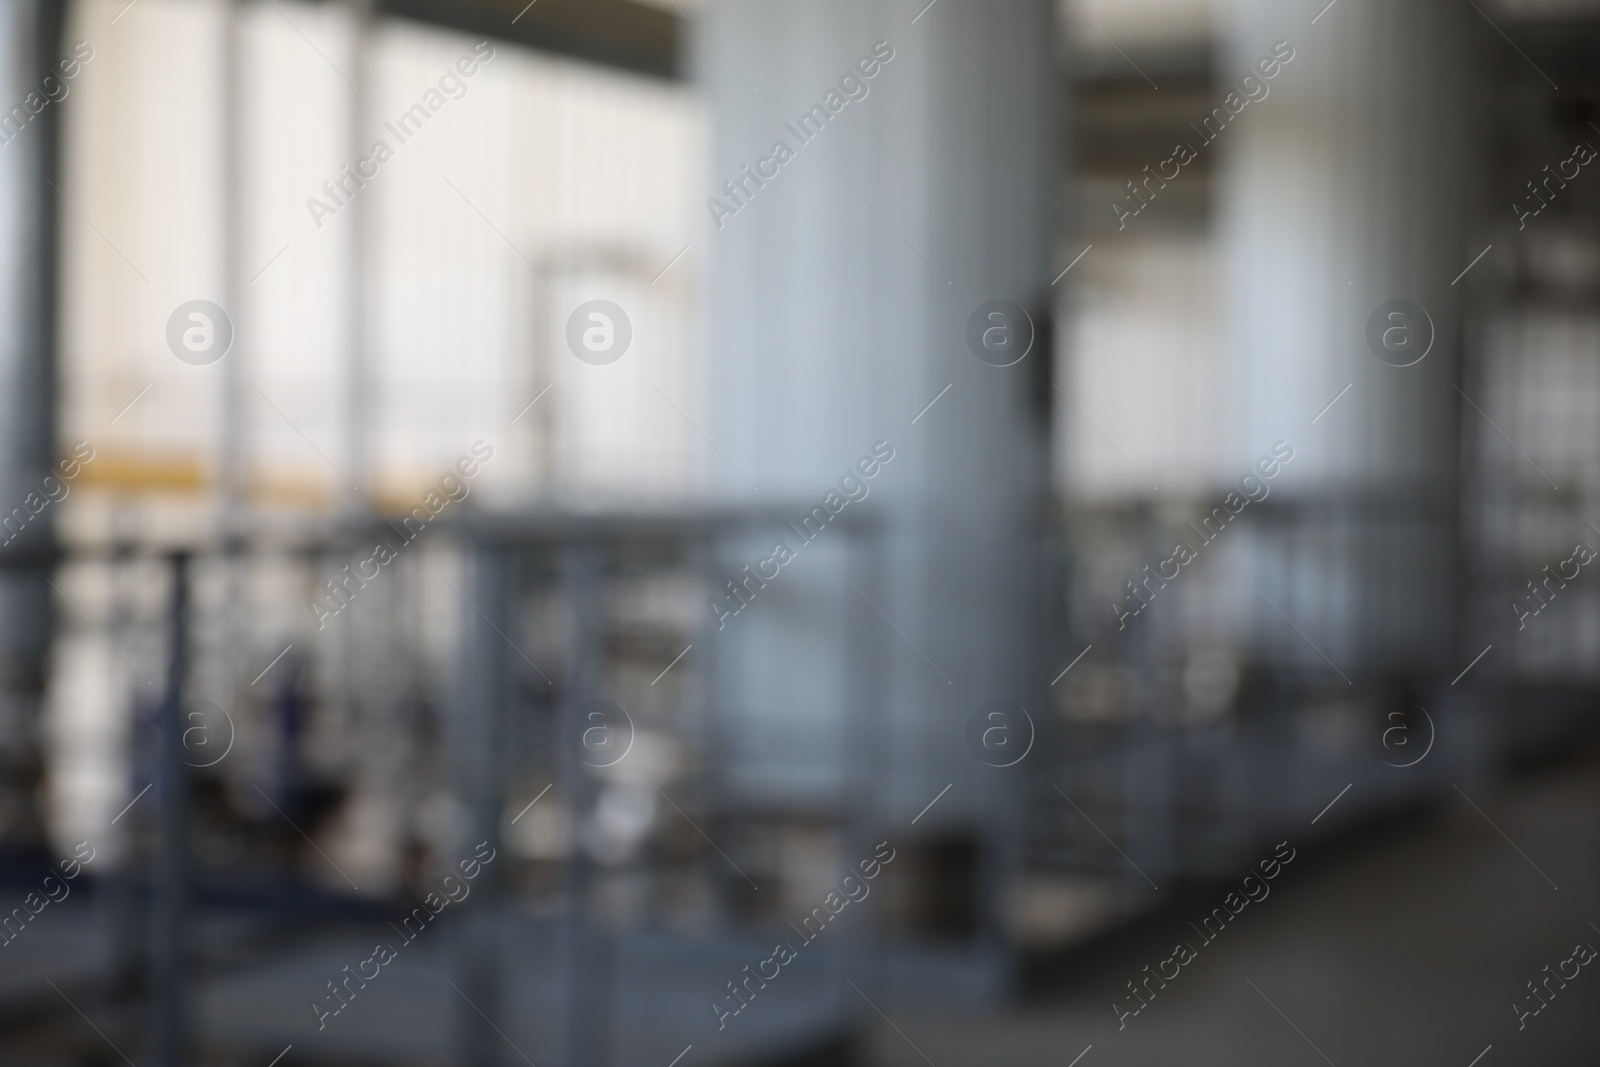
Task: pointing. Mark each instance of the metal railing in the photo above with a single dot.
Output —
(523, 683)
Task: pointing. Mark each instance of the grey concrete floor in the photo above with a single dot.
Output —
(1407, 947)
(1404, 946)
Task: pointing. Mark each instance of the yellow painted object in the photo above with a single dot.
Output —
(135, 473)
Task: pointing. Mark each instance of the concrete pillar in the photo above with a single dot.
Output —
(841, 292)
(1346, 187)
(30, 45)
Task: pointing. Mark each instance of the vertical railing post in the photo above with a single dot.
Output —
(1145, 795)
(867, 778)
(170, 874)
(475, 944)
(588, 962)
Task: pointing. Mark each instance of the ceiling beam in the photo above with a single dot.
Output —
(617, 33)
